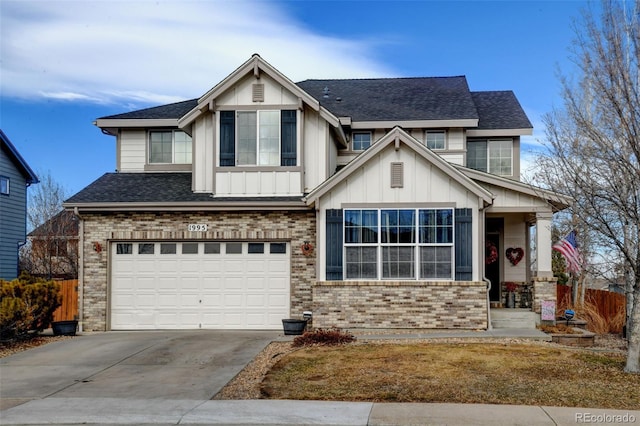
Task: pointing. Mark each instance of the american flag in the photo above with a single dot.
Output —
(568, 246)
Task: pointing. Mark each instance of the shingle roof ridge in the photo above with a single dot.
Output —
(383, 78)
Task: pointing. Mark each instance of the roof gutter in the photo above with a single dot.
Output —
(188, 206)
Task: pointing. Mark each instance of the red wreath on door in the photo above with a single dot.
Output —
(491, 253)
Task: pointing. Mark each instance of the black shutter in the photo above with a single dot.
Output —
(334, 245)
(227, 138)
(288, 138)
(464, 244)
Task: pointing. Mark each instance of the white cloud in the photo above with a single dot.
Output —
(156, 52)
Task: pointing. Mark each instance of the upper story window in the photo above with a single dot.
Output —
(435, 139)
(360, 141)
(258, 138)
(4, 185)
(169, 147)
(492, 156)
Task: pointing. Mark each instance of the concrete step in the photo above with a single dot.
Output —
(513, 318)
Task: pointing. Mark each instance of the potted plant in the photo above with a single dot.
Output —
(511, 295)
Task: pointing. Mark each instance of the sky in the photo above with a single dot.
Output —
(63, 64)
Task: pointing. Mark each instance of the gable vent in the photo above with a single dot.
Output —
(258, 92)
(397, 175)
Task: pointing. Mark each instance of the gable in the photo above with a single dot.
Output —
(426, 178)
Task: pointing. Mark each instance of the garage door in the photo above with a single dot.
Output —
(190, 285)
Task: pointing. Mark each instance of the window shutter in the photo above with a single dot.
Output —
(464, 244)
(334, 245)
(227, 138)
(289, 140)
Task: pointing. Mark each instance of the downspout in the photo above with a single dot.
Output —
(484, 278)
(80, 268)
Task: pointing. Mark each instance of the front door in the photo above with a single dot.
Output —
(492, 264)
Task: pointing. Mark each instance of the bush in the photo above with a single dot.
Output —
(27, 305)
(332, 337)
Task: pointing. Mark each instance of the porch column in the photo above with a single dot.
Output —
(543, 245)
(544, 283)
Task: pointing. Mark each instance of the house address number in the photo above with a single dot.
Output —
(197, 227)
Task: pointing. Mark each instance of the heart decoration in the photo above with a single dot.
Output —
(514, 255)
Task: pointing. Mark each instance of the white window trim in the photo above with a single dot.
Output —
(361, 133)
(444, 132)
(257, 163)
(488, 163)
(416, 245)
(173, 146)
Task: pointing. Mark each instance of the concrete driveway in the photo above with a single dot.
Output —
(148, 365)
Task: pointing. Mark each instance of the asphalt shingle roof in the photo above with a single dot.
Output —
(391, 99)
(385, 99)
(170, 111)
(151, 188)
(500, 110)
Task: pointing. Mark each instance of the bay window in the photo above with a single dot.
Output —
(398, 244)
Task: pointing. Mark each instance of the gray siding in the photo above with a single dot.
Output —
(13, 210)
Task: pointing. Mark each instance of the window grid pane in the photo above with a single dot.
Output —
(160, 147)
(269, 143)
(361, 141)
(182, 147)
(247, 144)
(436, 140)
(499, 153)
(361, 262)
(402, 238)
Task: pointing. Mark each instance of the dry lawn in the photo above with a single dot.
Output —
(490, 373)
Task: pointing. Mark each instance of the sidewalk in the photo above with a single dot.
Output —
(67, 411)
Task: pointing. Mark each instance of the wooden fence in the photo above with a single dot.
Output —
(69, 308)
(607, 303)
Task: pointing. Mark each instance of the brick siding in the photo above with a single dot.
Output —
(403, 304)
(294, 227)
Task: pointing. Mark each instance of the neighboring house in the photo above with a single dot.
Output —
(15, 177)
(373, 203)
(53, 250)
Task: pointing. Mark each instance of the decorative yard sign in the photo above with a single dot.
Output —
(548, 310)
(197, 227)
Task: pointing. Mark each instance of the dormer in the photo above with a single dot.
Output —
(249, 131)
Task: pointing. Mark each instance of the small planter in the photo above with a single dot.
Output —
(293, 327)
(64, 328)
(511, 300)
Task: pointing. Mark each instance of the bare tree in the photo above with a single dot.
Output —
(593, 144)
(52, 249)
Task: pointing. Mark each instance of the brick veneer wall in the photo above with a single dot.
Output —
(402, 304)
(544, 289)
(295, 227)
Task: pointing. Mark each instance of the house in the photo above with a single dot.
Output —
(53, 248)
(15, 177)
(372, 203)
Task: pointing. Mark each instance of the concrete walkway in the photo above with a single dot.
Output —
(69, 411)
(164, 378)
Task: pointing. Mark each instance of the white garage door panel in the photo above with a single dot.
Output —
(166, 289)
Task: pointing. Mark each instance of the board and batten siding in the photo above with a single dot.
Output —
(424, 185)
(13, 223)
